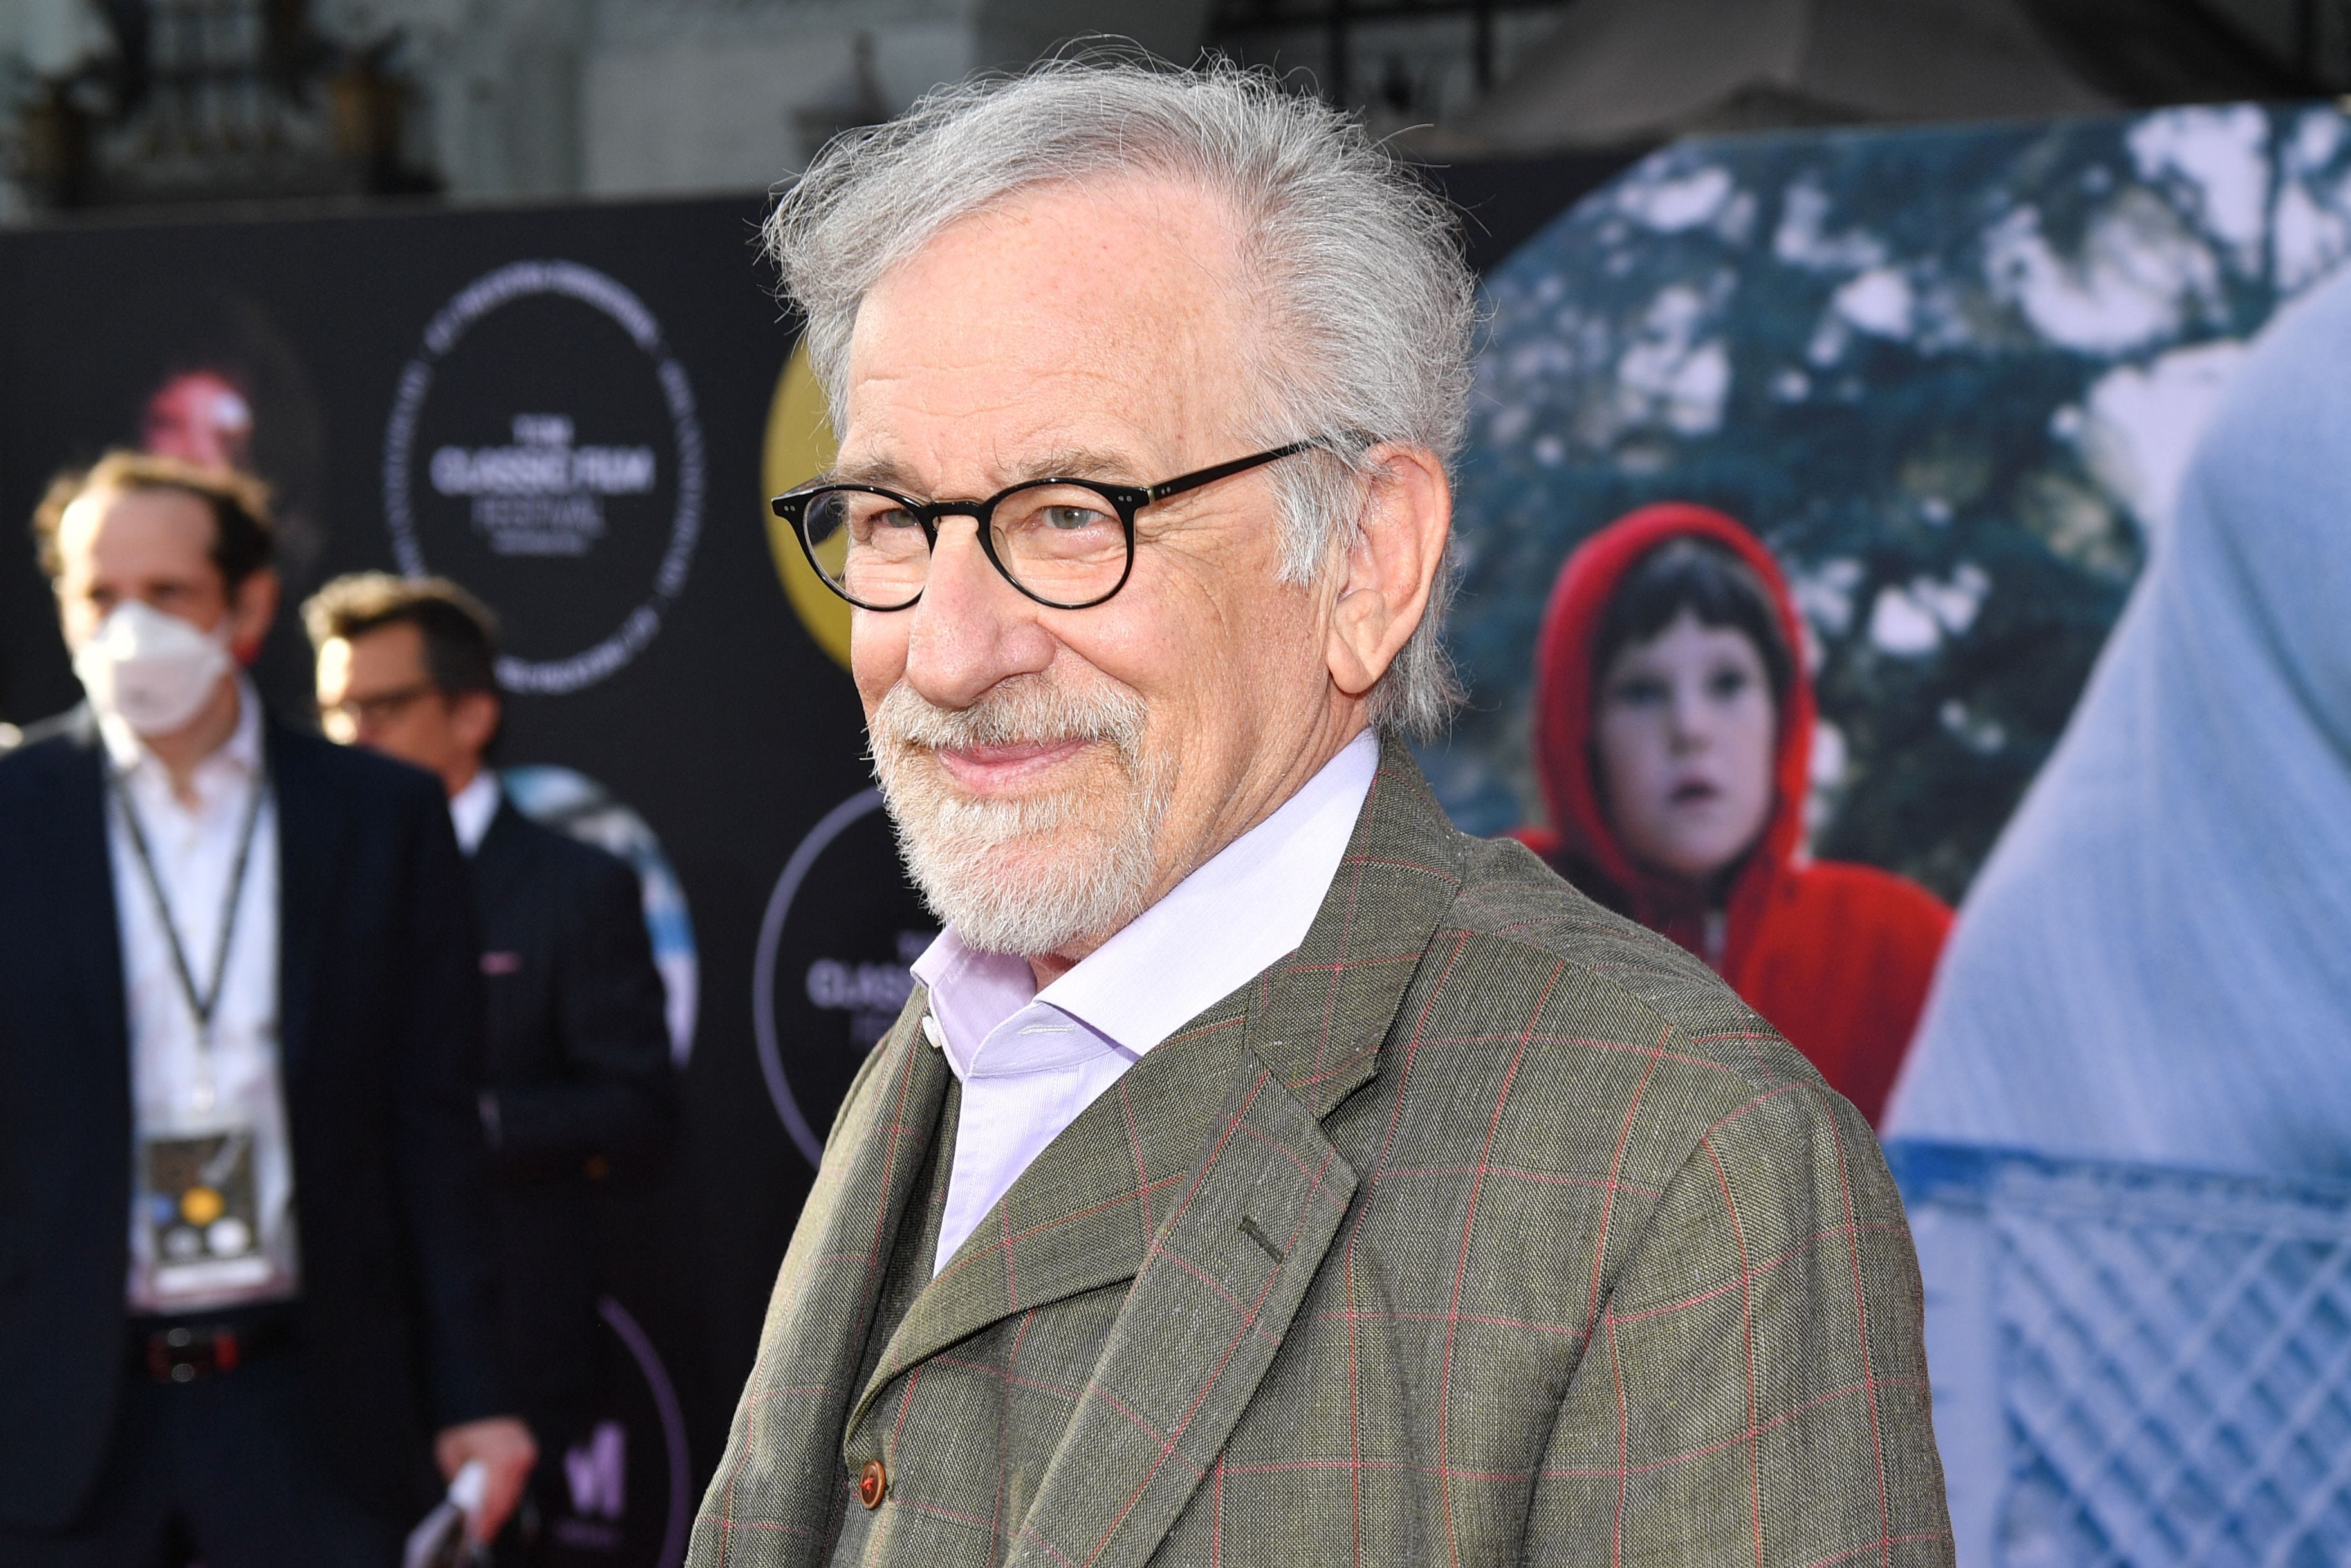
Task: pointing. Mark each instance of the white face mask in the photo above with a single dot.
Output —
(155, 671)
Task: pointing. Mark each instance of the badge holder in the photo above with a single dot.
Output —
(203, 1213)
(198, 1204)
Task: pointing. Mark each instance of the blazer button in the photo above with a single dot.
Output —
(873, 1481)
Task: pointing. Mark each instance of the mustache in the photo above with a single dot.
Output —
(1024, 710)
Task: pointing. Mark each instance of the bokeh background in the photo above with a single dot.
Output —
(1934, 294)
(1951, 375)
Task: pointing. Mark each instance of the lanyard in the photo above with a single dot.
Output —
(203, 1003)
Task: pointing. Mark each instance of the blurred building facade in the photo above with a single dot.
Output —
(126, 103)
(115, 102)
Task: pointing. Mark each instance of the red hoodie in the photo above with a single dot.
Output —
(1837, 956)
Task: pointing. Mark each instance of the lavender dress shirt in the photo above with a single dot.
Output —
(1029, 1061)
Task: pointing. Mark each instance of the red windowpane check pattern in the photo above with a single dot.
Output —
(1485, 1228)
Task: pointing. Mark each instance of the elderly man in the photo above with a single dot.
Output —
(1262, 1172)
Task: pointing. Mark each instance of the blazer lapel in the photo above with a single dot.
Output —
(1233, 1259)
(1200, 1327)
(84, 888)
(1205, 1178)
(498, 862)
(1083, 1214)
(311, 825)
(786, 1446)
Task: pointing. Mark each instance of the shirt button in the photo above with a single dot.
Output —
(872, 1483)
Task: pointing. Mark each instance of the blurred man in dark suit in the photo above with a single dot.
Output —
(578, 1067)
(243, 1271)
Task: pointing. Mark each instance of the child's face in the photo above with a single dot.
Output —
(1685, 731)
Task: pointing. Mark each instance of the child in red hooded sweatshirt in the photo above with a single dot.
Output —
(1673, 730)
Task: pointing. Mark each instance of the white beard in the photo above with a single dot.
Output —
(1033, 875)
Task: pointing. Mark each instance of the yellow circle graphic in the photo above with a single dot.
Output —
(201, 1206)
(800, 444)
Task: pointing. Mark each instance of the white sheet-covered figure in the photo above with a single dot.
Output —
(2156, 962)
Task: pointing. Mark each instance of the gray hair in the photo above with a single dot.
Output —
(1360, 265)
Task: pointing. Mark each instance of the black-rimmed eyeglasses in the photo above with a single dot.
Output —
(1065, 543)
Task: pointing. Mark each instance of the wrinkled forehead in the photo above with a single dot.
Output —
(1111, 315)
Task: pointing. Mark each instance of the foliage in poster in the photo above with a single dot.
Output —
(1951, 375)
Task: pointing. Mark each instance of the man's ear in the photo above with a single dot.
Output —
(251, 609)
(475, 716)
(1391, 565)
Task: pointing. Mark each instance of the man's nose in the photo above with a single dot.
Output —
(971, 628)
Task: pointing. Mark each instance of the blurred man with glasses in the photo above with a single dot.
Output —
(244, 1272)
(578, 1081)
(1262, 1172)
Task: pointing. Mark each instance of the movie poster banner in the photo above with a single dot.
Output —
(1953, 378)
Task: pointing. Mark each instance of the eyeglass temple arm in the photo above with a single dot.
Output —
(1176, 486)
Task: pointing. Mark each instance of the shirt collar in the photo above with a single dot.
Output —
(472, 809)
(240, 753)
(1242, 909)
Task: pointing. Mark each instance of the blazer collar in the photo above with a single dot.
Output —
(1318, 1016)
(506, 824)
(1202, 1176)
(501, 860)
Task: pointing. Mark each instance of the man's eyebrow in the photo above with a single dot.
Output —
(1063, 462)
(872, 471)
(1085, 463)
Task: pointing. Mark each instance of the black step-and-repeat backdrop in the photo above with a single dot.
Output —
(568, 411)
(579, 414)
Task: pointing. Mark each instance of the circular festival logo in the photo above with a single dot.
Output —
(627, 1493)
(544, 450)
(832, 975)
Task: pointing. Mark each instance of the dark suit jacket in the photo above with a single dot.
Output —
(1487, 1228)
(379, 1010)
(578, 1069)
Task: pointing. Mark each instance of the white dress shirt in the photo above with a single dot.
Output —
(471, 808)
(1029, 1061)
(195, 850)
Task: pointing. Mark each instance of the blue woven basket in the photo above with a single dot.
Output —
(2135, 1366)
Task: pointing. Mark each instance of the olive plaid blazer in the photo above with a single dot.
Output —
(1485, 1228)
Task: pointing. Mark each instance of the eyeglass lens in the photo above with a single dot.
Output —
(1066, 544)
(343, 721)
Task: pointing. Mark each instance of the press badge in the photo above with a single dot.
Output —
(204, 1219)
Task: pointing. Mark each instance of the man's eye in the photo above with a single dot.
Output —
(895, 517)
(1070, 518)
